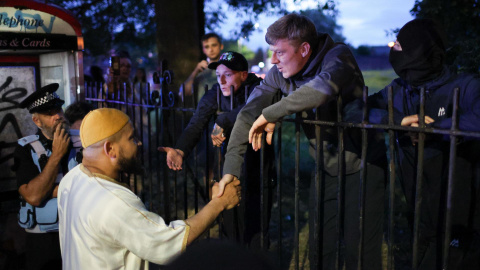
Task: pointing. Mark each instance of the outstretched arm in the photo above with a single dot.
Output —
(200, 222)
(263, 96)
(174, 157)
(193, 132)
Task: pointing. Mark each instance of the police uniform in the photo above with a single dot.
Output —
(30, 156)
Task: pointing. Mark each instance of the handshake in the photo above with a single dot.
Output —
(227, 194)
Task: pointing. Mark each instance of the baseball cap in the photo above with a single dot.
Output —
(232, 60)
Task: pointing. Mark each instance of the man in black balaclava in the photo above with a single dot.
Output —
(422, 53)
(418, 58)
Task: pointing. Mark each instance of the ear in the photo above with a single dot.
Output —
(36, 120)
(110, 149)
(304, 49)
(244, 76)
(221, 47)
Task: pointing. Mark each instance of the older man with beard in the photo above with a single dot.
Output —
(103, 224)
(40, 162)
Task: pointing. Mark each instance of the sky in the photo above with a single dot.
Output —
(364, 22)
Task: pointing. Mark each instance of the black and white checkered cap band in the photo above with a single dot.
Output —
(48, 97)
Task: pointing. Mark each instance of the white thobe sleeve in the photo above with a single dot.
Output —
(143, 233)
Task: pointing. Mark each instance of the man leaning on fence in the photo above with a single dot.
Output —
(103, 224)
(311, 70)
(41, 160)
(418, 58)
(232, 71)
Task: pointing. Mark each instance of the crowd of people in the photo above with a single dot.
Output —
(75, 163)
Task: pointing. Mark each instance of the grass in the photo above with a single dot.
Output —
(376, 80)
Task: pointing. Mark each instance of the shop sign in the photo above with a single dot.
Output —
(15, 41)
(22, 20)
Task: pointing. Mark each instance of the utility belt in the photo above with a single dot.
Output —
(45, 216)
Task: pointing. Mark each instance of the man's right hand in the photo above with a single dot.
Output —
(60, 143)
(227, 178)
(231, 196)
(201, 66)
(413, 120)
(174, 157)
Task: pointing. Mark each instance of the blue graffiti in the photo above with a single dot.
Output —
(24, 16)
(26, 21)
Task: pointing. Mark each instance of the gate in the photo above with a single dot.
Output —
(159, 118)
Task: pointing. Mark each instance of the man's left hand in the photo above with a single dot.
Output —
(217, 136)
(256, 132)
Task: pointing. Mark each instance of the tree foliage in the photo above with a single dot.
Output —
(461, 21)
(115, 25)
(171, 30)
(249, 11)
(325, 23)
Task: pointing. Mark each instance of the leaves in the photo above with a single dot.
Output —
(461, 21)
(325, 23)
(249, 11)
(106, 24)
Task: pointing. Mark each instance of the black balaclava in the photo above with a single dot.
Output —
(422, 57)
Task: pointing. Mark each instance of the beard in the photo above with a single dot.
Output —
(50, 131)
(131, 165)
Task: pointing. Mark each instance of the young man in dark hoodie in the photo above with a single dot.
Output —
(310, 71)
(232, 71)
(418, 58)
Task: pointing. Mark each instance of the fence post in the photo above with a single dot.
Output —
(451, 180)
(363, 178)
(392, 176)
(419, 182)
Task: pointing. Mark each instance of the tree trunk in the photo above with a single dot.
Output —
(180, 25)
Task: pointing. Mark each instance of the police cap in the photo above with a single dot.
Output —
(43, 99)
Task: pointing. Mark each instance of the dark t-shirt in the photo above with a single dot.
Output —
(24, 165)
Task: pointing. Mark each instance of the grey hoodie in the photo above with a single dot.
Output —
(331, 70)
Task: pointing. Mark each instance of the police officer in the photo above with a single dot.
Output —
(40, 161)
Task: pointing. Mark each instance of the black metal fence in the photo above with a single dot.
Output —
(159, 117)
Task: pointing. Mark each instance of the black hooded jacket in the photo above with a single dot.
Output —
(331, 71)
(207, 108)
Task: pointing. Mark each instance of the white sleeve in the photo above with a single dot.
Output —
(143, 233)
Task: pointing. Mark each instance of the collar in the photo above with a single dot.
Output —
(104, 177)
(324, 44)
(46, 142)
(300, 74)
(251, 79)
(444, 77)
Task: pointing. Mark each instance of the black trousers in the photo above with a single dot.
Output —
(43, 251)
(373, 220)
(465, 244)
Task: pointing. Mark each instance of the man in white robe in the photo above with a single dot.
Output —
(103, 224)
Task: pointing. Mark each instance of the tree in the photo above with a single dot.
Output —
(110, 25)
(461, 21)
(179, 29)
(187, 32)
(172, 29)
(325, 22)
